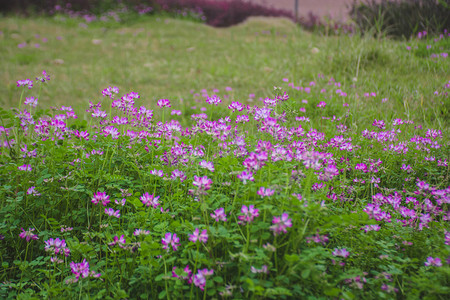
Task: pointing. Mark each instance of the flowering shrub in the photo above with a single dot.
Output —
(298, 200)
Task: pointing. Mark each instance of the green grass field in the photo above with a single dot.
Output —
(167, 58)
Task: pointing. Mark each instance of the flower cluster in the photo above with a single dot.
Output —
(57, 246)
(280, 224)
(150, 200)
(82, 270)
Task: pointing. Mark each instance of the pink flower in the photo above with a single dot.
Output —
(188, 271)
(178, 174)
(26, 82)
(280, 224)
(32, 191)
(263, 192)
(236, 106)
(110, 212)
(57, 246)
(214, 99)
(436, 262)
(81, 268)
(244, 176)
(197, 236)
(249, 214)
(121, 241)
(200, 278)
(207, 165)
(219, 214)
(101, 196)
(28, 235)
(380, 124)
(158, 173)
(27, 168)
(264, 269)
(120, 202)
(321, 104)
(31, 101)
(203, 183)
(138, 232)
(170, 240)
(163, 103)
(112, 131)
(368, 228)
(148, 200)
(45, 77)
(341, 252)
(110, 91)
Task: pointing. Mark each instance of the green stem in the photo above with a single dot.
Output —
(165, 280)
(81, 288)
(21, 96)
(193, 272)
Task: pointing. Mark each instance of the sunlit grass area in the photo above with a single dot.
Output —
(169, 58)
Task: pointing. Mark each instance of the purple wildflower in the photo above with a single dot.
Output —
(118, 240)
(148, 200)
(32, 191)
(45, 77)
(31, 101)
(26, 82)
(436, 262)
(197, 236)
(244, 176)
(170, 240)
(27, 168)
(163, 103)
(263, 192)
(203, 183)
(280, 224)
(341, 252)
(100, 196)
(57, 246)
(110, 212)
(200, 278)
(249, 214)
(28, 235)
(219, 214)
(214, 99)
(139, 232)
(207, 165)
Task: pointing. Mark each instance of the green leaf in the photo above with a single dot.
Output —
(159, 277)
(291, 258)
(162, 295)
(305, 273)
(332, 292)
(348, 295)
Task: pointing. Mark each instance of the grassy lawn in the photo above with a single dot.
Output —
(169, 58)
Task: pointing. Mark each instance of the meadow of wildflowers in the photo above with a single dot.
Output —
(321, 189)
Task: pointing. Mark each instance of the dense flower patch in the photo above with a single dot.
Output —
(284, 199)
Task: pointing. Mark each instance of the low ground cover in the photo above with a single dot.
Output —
(280, 175)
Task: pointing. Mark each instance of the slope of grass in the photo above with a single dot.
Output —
(168, 58)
